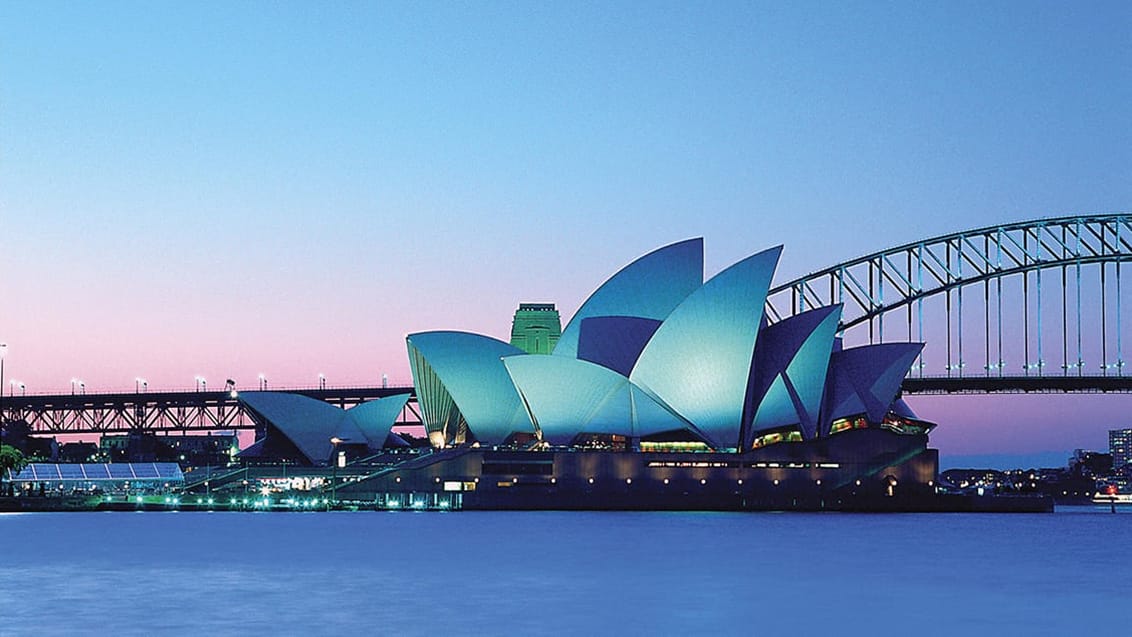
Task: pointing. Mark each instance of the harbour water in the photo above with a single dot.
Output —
(600, 573)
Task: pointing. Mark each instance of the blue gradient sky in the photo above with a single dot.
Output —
(226, 189)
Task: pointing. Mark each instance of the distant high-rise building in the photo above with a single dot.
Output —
(1120, 446)
(536, 328)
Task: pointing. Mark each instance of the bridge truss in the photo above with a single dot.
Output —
(163, 412)
(1031, 306)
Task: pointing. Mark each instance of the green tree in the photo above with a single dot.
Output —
(11, 459)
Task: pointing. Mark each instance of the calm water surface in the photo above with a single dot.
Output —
(503, 573)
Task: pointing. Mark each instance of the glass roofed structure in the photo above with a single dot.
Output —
(138, 476)
(656, 350)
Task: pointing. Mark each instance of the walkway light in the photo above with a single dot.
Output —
(3, 351)
(335, 440)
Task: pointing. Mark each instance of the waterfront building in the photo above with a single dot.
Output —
(1120, 446)
(712, 405)
(536, 327)
(60, 479)
(657, 351)
(1090, 464)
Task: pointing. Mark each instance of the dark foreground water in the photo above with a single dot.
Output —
(479, 573)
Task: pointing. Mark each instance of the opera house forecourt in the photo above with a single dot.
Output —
(664, 391)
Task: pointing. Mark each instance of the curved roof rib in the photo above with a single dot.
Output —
(649, 287)
(789, 372)
(699, 360)
(460, 379)
(567, 396)
(866, 380)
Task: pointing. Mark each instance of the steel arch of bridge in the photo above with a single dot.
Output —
(999, 272)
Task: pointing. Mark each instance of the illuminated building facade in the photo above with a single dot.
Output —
(689, 380)
(658, 351)
(536, 328)
(1120, 446)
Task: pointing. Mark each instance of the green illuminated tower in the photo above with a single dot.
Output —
(536, 328)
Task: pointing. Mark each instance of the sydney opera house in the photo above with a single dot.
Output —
(664, 391)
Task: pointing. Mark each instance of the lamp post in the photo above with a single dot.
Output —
(321, 381)
(334, 471)
(73, 382)
(202, 385)
(3, 351)
(143, 385)
(262, 382)
(82, 387)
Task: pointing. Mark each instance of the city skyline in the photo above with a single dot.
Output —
(289, 190)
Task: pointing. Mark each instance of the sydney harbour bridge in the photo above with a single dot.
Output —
(1034, 306)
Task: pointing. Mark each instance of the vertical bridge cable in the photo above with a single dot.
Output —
(1104, 320)
(1077, 253)
(1038, 273)
(959, 315)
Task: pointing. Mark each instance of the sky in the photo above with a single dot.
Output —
(230, 189)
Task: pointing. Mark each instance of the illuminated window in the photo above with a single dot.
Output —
(775, 437)
(904, 426)
(687, 446)
(845, 424)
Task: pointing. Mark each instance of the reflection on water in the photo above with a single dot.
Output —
(563, 573)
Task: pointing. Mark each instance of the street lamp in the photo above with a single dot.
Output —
(202, 385)
(82, 387)
(321, 380)
(335, 440)
(262, 382)
(140, 381)
(74, 381)
(3, 351)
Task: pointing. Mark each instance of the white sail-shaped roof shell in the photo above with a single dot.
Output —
(867, 379)
(699, 359)
(376, 417)
(789, 374)
(566, 396)
(307, 422)
(459, 378)
(649, 287)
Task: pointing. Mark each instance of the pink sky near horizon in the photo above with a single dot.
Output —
(224, 191)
